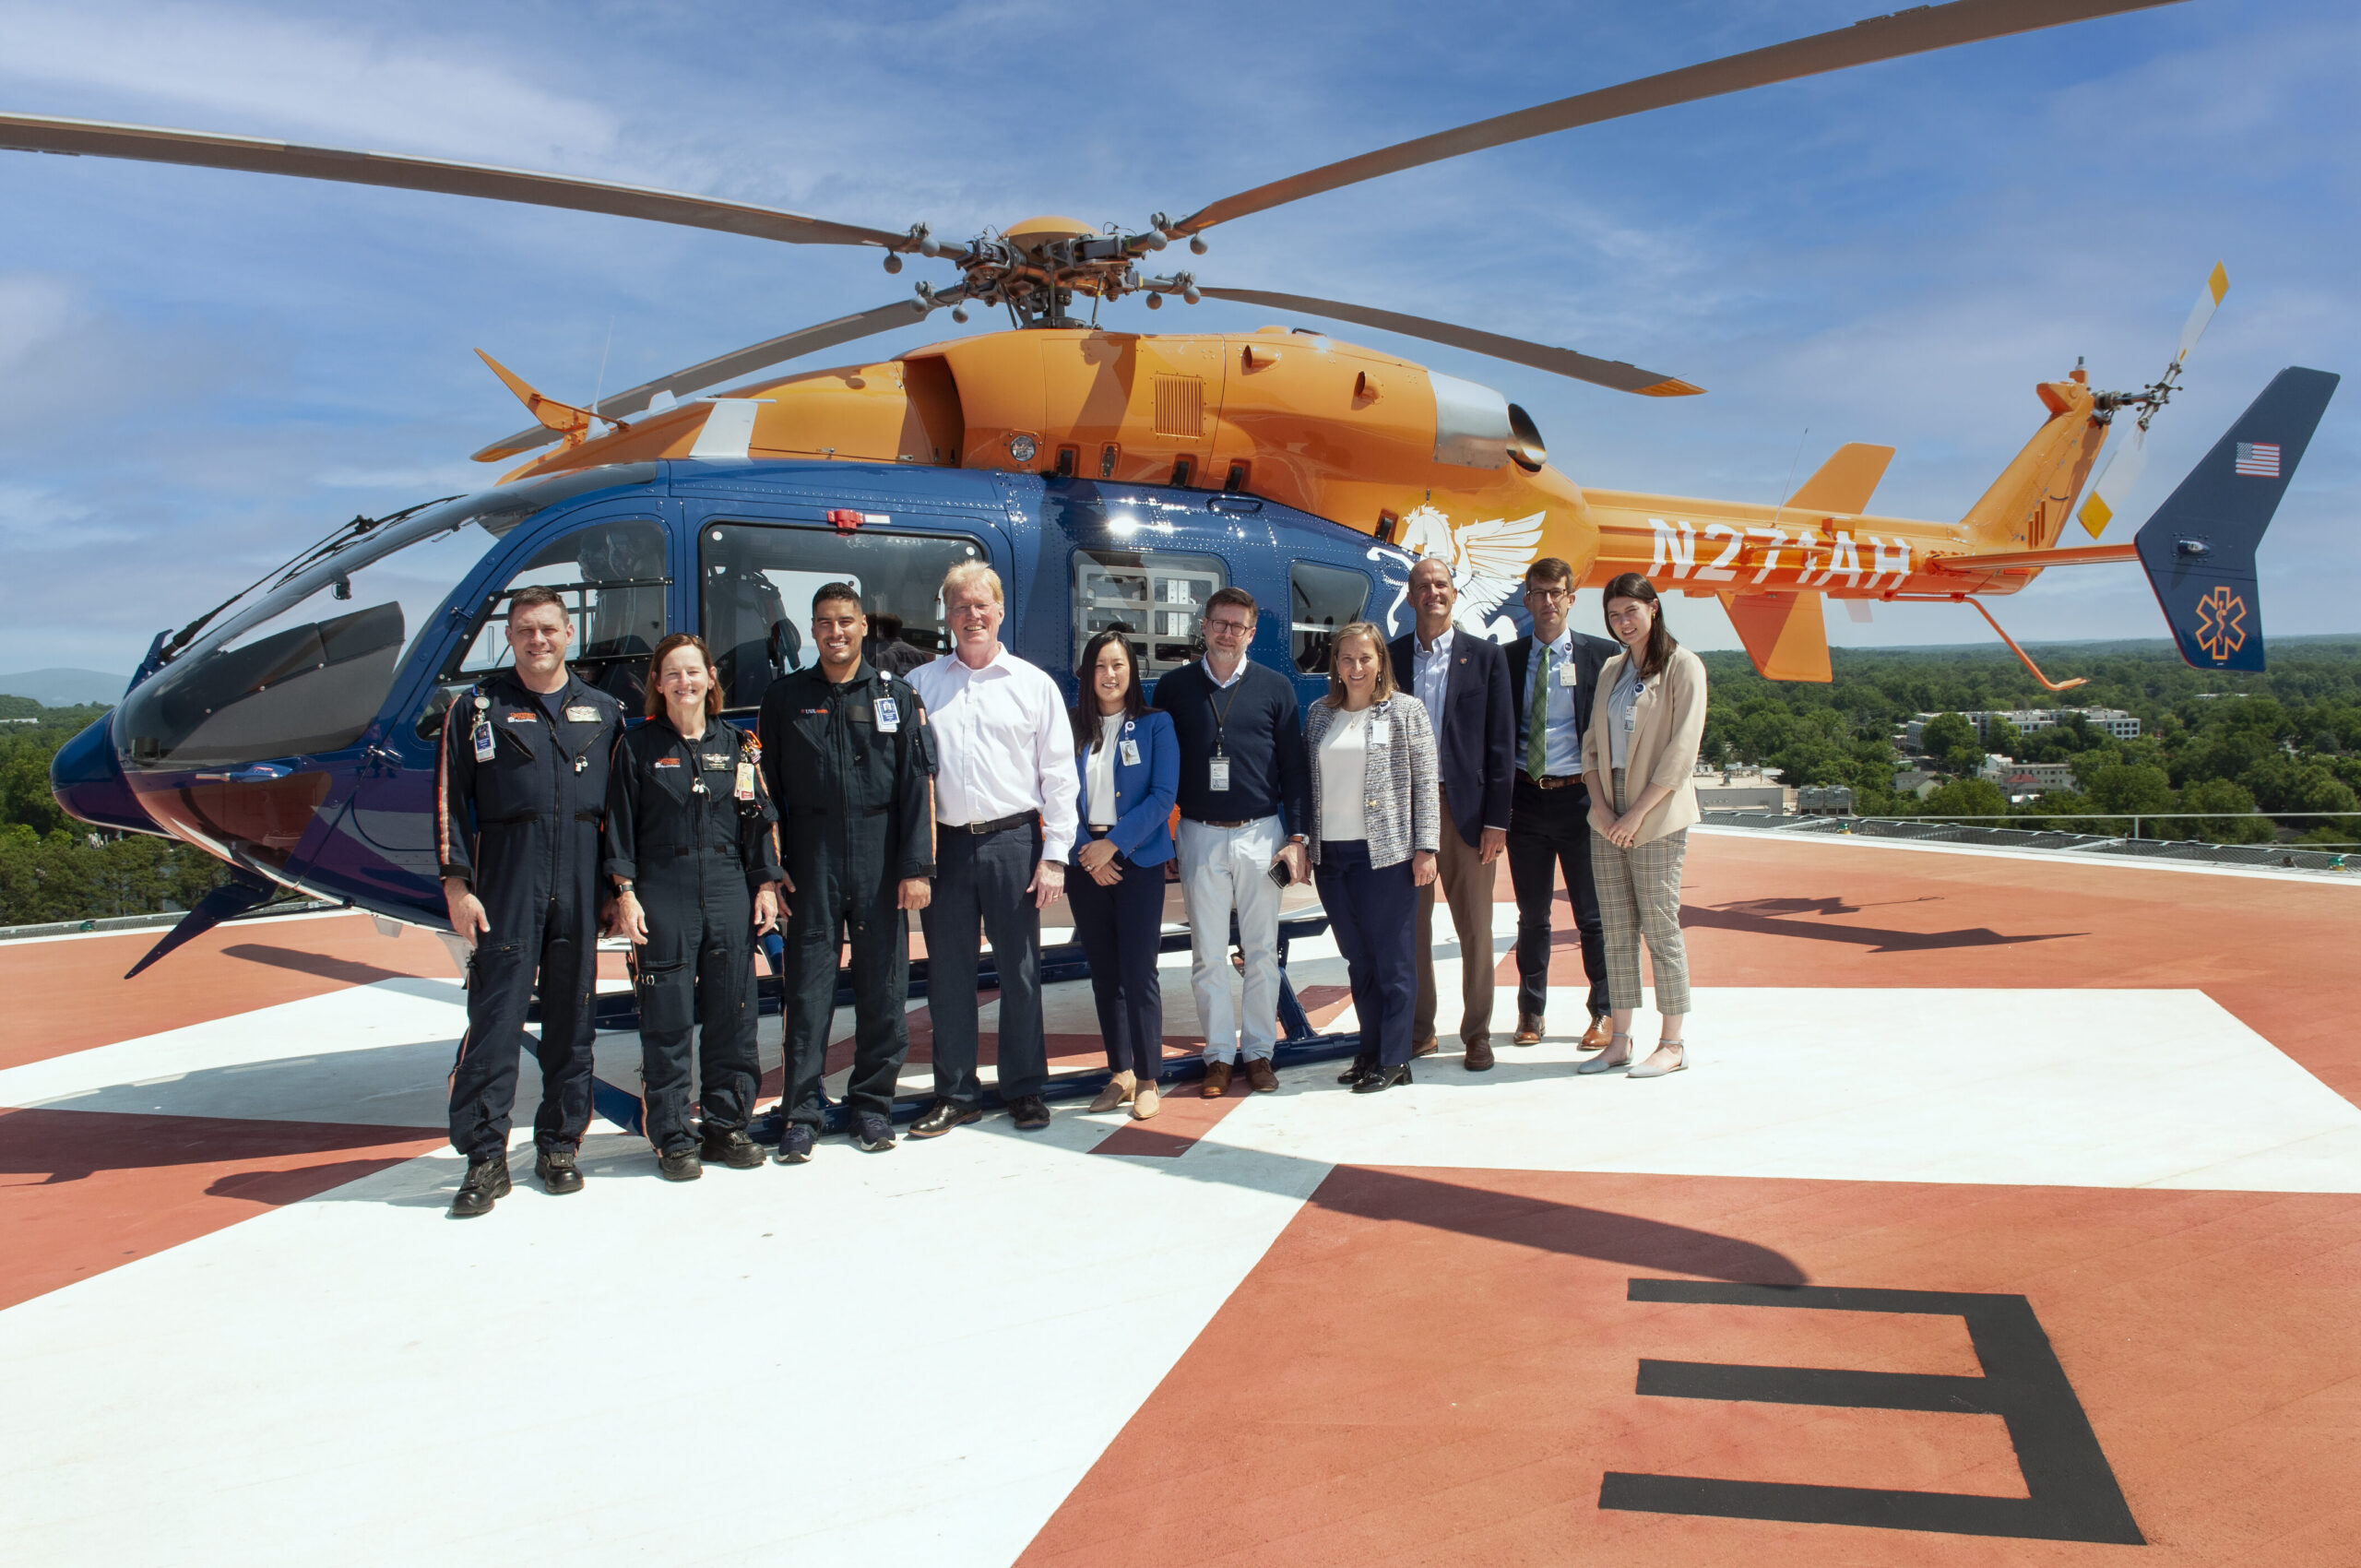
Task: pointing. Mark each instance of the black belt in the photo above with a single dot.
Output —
(998, 824)
(1209, 822)
(1100, 832)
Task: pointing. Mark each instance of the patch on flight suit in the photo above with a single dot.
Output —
(582, 713)
(521, 718)
(668, 761)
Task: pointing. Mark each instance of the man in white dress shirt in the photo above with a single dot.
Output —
(1004, 820)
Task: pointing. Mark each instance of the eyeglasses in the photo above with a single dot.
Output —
(1229, 628)
(1552, 596)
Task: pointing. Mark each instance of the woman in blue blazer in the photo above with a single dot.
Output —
(1129, 763)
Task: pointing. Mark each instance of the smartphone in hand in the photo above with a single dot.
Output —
(1280, 876)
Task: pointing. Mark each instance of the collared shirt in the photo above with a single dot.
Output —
(1562, 738)
(1431, 675)
(1003, 745)
(1623, 704)
(1237, 671)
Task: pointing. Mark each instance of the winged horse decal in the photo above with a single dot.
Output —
(1488, 560)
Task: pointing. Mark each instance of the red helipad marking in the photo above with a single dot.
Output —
(70, 995)
(82, 1192)
(1438, 1367)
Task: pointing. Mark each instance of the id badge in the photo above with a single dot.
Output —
(1217, 774)
(1130, 752)
(889, 716)
(481, 735)
(1380, 731)
(745, 790)
(1566, 676)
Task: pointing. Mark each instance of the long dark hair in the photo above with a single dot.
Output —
(1087, 731)
(1630, 584)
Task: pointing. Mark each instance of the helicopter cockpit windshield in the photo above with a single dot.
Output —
(303, 661)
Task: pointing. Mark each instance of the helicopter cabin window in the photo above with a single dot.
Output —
(612, 579)
(1154, 596)
(755, 586)
(1321, 600)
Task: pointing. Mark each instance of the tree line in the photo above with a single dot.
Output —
(2285, 743)
(53, 868)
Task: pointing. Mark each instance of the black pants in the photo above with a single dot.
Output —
(559, 942)
(1373, 914)
(881, 990)
(697, 969)
(979, 882)
(1120, 929)
(1549, 833)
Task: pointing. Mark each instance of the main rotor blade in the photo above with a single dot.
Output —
(1623, 377)
(1890, 37)
(732, 366)
(203, 149)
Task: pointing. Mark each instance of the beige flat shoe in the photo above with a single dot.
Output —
(1118, 1091)
(1611, 1059)
(1145, 1103)
(1656, 1066)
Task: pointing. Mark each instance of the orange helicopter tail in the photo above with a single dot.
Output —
(2027, 506)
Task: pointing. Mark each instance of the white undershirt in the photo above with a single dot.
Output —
(1344, 777)
(1100, 773)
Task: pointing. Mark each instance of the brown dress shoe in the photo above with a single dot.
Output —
(1479, 1055)
(1426, 1047)
(1528, 1029)
(1595, 1037)
(1217, 1079)
(1259, 1073)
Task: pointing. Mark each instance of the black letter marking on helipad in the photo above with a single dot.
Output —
(2073, 1492)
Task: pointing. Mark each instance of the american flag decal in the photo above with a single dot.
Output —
(2257, 460)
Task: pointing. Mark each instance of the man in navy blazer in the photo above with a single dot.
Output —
(1550, 819)
(1463, 680)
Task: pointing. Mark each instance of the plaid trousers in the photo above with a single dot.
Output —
(1639, 895)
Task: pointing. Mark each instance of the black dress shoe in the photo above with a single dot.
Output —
(940, 1117)
(873, 1133)
(732, 1149)
(557, 1170)
(1357, 1070)
(1378, 1078)
(1031, 1112)
(796, 1143)
(680, 1165)
(486, 1181)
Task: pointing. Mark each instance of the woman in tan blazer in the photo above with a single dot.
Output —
(1638, 755)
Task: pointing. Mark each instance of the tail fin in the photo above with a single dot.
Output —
(2199, 548)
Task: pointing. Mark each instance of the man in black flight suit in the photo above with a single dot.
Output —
(849, 762)
(522, 782)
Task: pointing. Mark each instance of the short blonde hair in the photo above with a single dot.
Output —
(967, 575)
(1384, 684)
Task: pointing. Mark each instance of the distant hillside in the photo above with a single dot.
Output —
(64, 688)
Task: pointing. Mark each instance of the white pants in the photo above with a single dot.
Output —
(1226, 869)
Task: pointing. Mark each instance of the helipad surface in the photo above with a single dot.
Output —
(2010, 1212)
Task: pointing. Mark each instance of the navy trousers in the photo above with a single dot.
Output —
(980, 881)
(1120, 928)
(1373, 913)
(1549, 836)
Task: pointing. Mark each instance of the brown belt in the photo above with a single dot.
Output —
(1555, 780)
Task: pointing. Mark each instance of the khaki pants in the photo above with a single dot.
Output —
(1467, 883)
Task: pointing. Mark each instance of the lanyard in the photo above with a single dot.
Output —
(1221, 715)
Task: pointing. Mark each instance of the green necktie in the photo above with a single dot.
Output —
(1537, 725)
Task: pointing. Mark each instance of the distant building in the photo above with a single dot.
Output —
(1734, 791)
(2112, 721)
(1827, 799)
(2026, 777)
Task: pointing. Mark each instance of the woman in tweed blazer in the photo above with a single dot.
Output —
(1376, 821)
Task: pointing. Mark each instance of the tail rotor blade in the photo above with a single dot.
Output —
(2216, 285)
(2127, 454)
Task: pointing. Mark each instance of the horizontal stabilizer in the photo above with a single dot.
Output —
(1845, 483)
(2199, 549)
(1783, 632)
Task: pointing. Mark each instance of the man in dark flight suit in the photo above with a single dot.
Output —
(522, 784)
(850, 763)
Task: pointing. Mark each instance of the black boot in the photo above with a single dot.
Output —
(557, 1172)
(732, 1149)
(486, 1183)
(680, 1165)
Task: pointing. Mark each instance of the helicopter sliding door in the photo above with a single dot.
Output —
(756, 576)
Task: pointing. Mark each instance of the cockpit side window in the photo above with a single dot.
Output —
(611, 576)
(1322, 599)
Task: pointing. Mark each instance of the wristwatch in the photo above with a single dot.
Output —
(622, 884)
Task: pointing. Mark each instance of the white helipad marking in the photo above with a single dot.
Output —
(907, 1357)
(2099, 1088)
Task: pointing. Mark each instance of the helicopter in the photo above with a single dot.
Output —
(1112, 478)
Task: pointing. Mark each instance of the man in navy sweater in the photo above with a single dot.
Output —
(1244, 791)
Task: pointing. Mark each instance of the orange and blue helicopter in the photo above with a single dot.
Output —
(1111, 477)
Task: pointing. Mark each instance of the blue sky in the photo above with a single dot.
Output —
(202, 372)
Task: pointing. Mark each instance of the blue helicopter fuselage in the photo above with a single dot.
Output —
(294, 732)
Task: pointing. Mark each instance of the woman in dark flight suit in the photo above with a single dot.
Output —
(692, 846)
